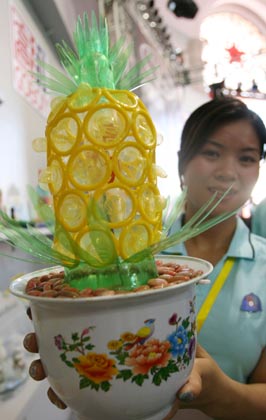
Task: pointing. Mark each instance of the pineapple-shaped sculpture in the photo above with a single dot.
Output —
(100, 142)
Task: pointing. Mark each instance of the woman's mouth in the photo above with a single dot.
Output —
(222, 192)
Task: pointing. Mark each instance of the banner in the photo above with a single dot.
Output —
(26, 50)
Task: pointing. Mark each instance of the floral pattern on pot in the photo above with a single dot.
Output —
(141, 355)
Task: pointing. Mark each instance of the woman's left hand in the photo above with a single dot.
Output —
(203, 387)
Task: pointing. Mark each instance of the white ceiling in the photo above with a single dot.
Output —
(254, 10)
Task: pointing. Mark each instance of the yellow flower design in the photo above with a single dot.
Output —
(114, 345)
(128, 337)
(97, 367)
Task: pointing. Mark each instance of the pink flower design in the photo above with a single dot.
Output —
(59, 340)
(85, 332)
(152, 353)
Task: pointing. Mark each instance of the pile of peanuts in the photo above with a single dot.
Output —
(53, 285)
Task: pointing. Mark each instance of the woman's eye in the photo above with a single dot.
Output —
(210, 153)
(248, 159)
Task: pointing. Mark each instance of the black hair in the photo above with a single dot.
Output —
(208, 118)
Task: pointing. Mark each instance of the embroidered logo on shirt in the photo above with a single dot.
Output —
(251, 303)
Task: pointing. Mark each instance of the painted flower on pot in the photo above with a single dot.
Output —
(59, 341)
(128, 337)
(115, 345)
(96, 367)
(178, 340)
(142, 358)
(133, 356)
(191, 347)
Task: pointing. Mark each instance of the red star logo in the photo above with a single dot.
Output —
(235, 54)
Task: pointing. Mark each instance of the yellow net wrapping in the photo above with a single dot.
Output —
(101, 147)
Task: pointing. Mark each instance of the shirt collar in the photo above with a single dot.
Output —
(241, 244)
(240, 247)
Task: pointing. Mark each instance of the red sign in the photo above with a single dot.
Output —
(26, 51)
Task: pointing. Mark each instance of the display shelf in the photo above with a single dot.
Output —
(30, 402)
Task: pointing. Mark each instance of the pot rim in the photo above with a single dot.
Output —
(18, 285)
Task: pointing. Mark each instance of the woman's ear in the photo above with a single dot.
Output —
(181, 176)
(182, 182)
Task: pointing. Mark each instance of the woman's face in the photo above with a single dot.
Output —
(230, 157)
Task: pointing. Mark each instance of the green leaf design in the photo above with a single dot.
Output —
(69, 364)
(86, 382)
(172, 366)
(185, 323)
(121, 357)
(86, 338)
(89, 347)
(190, 334)
(124, 374)
(75, 337)
(63, 357)
(156, 374)
(73, 347)
(156, 380)
(164, 373)
(105, 386)
(139, 379)
(186, 359)
(64, 346)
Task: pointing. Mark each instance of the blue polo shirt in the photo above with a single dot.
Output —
(235, 331)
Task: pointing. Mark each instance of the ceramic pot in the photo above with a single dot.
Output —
(122, 356)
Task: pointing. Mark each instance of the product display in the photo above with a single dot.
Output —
(108, 218)
(115, 322)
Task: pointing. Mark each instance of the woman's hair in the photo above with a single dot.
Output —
(209, 117)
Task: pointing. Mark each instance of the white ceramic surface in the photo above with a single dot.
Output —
(102, 362)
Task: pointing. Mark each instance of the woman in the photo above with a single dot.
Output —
(221, 146)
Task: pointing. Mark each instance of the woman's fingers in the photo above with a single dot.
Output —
(30, 343)
(192, 388)
(55, 399)
(36, 370)
(201, 353)
(28, 311)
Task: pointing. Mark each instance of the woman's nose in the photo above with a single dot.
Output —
(227, 170)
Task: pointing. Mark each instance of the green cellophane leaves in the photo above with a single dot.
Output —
(199, 223)
(94, 61)
(99, 265)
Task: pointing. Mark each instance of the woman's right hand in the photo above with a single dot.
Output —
(36, 369)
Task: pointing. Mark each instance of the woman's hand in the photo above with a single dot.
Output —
(215, 394)
(36, 370)
(204, 388)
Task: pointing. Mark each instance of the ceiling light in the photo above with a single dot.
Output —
(146, 16)
(183, 8)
